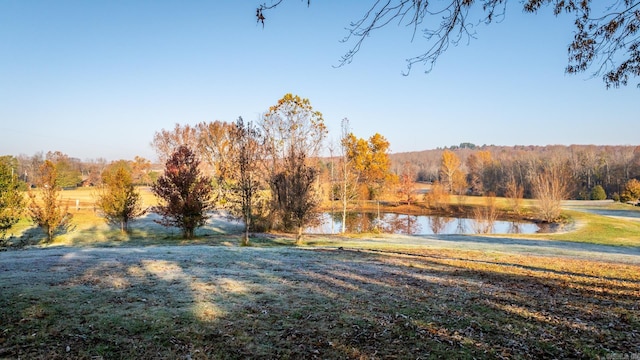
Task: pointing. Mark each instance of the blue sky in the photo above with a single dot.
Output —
(98, 78)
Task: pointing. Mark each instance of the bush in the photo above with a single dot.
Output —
(598, 193)
(631, 191)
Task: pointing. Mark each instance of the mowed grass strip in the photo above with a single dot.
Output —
(599, 229)
(279, 302)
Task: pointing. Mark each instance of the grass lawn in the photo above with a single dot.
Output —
(282, 302)
(98, 294)
(599, 229)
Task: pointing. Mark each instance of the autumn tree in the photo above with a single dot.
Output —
(140, 168)
(476, 165)
(167, 142)
(550, 185)
(245, 138)
(370, 160)
(118, 200)
(184, 192)
(406, 184)
(293, 133)
(437, 197)
(631, 192)
(294, 194)
(49, 213)
(211, 142)
(605, 36)
(11, 199)
(215, 146)
(67, 169)
(449, 169)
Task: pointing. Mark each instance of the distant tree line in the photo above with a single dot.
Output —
(589, 170)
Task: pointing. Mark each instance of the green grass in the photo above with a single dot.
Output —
(598, 229)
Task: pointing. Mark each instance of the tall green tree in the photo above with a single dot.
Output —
(184, 192)
(11, 199)
(118, 200)
(49, 213)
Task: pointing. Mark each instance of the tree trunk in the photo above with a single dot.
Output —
(299, 236)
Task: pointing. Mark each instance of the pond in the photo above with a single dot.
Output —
(393, 223)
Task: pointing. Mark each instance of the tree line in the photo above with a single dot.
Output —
(267, 174)
(270, 174)
(590, 171)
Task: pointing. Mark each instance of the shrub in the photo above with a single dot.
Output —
(631, 191)
(598, 193)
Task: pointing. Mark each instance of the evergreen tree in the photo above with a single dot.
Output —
(11, 200)
(50, 214)
(119, 201)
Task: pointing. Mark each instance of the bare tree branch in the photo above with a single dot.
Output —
(608, 42)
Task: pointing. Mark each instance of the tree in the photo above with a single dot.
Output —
(67, 169)
(598, 193)
(50, 214)
(11, 199)
(140, 168)
(215, 145)
(550, 186)
(292, 127)
(476, 164)
(437, 197)
(449, 166)
(605, 35)
(514, 193)
(631, 192)
(119, 201)
(246, 142)
(293, 133)
(294, 194)
(371, 162)
(406, 184)
(166, 142)
(184, 192)
(348, 177)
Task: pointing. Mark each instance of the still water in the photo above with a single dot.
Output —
(418, 225)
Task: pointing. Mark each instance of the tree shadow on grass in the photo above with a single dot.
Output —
(225, 302)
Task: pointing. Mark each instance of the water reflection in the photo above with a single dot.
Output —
(401, 224)
(359, 222)
(438, 223)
